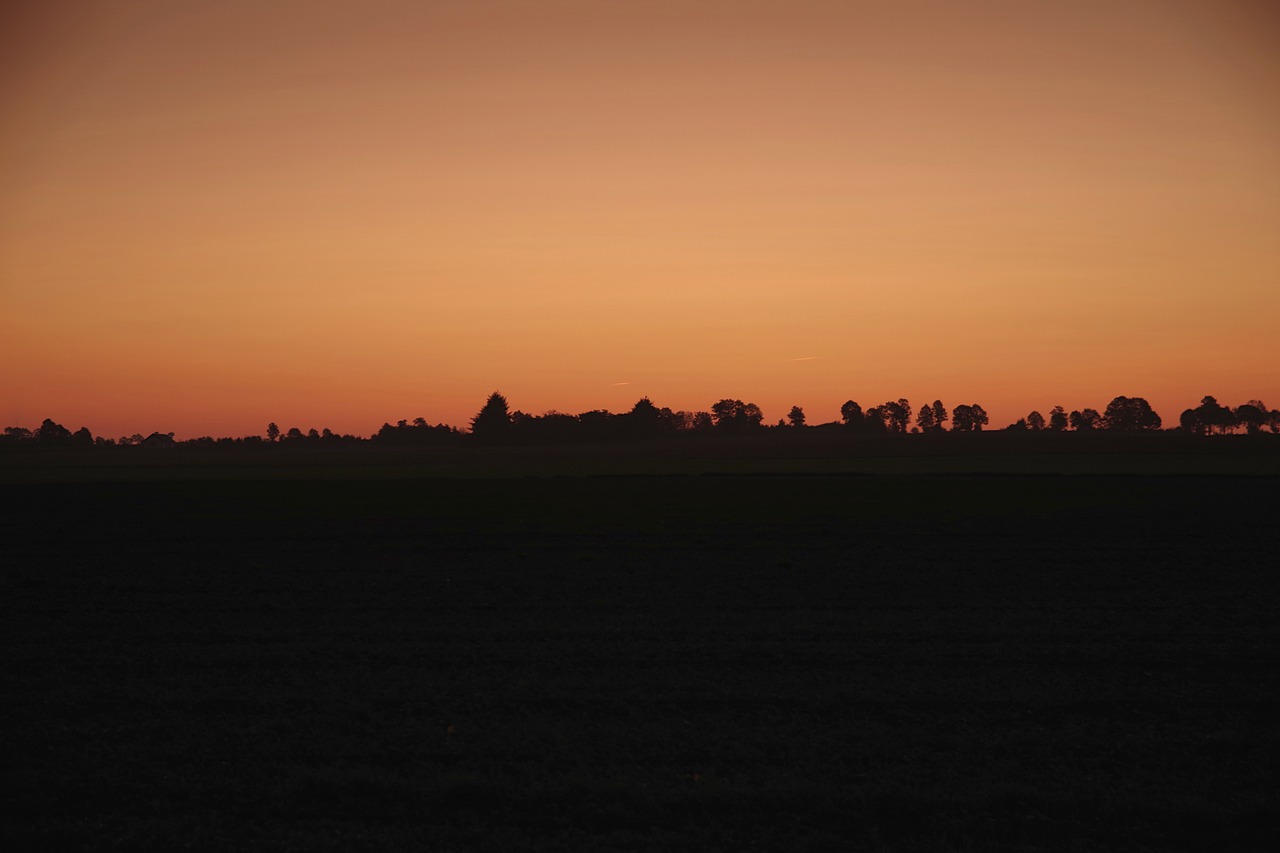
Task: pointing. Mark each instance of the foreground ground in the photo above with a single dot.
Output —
(635, 663)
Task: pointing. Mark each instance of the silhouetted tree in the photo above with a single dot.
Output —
(1126, 414)
(723, 411)
(1058, 419)
(851, 414)
(16, 434)
(1085, 420)
(970, 418)
(1251, 416)
(875, 420)
(940, 416)
(1035, 421)
(1020, 425)
(82, 437)
(735, 415)
(53, 434)
(493, 421)
(980, 418)
(897, 415)
(1270, 417)
(273, 432)
(1190, 422)
(702, 421)
(644, 420)
(796, 416)
(669, 421)
(925, 419)
(1214, 417)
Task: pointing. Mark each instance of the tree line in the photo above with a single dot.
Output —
(497, 423)
(1212, 417)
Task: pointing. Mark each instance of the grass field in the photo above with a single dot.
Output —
(759, 661)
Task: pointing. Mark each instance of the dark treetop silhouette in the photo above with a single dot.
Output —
(496, 423)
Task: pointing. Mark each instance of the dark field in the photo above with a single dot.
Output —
(643, 663)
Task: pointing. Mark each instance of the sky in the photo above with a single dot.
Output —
(335, 214)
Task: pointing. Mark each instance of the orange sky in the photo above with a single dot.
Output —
(334, 214)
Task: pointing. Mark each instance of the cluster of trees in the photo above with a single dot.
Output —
(1134, 413)
(1123, 414)
(895, 417)
(1212, 417)
(497, 423)
(414, 433)
(51, 434)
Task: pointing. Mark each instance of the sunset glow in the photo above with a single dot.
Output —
(335, 214)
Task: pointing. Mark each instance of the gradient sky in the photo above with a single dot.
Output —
(334, 214)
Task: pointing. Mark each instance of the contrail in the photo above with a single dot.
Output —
(806, 358)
